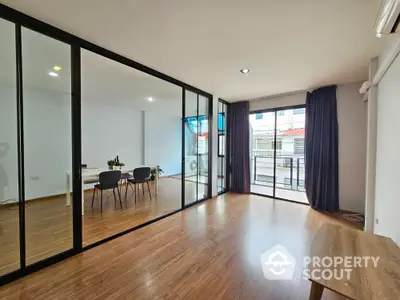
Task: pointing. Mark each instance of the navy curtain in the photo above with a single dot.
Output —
(239, 144)
(321, 149)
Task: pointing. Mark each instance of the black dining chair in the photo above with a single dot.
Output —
(140, 176)
(108, 180)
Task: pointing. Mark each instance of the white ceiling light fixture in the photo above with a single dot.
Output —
(244, 71)
(150, 99)
(53, 74)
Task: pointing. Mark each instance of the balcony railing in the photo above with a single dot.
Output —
(289, 172)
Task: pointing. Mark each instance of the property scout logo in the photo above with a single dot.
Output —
(278, 264)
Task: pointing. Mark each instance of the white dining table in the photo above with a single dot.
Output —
(90, 174)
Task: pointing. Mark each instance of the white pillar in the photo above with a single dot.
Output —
(371, 149)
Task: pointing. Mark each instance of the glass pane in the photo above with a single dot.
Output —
(202, 142)
(226, 162)
(47, 145)
(135, 119)
(9, 212)
(191, 132)
(222, 145)
(289, 182)
(262, 131)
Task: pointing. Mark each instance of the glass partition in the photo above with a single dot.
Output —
(196, 123)
(47, 145)
(262, 153)
(191, 141)
(9, 207)
(68, 115)
(203, 147)
(130, 120)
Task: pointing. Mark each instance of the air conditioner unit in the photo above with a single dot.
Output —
(388, 18)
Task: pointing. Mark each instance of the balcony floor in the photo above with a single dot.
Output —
(280, 193)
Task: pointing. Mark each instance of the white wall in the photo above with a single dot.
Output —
(279, 101)
(47, 142)
(352, 147)
(163, 142)
(370, 168)
(387, 204)
(8, 145)
(352, 140)
(150, 138)
(108, 131)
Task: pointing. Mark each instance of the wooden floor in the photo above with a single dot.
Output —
(49, 221)
(97, 226)
(298, 196)
(209, 251)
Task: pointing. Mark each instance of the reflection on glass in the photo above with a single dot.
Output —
(191, 161)
(262, 145)
(202, 148)
(9, 221)
(138, 118)
(47, 145)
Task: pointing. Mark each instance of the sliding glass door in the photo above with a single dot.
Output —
(190, 153)
(139, 117)
(223, 151)
(289, 163)
(262, 152)
(9, 190)
(196, 147)
(47, 145)
(277, 153)
(36, 220)
(202, 147)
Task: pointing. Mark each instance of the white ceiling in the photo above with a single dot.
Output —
(110, 82)
(288, 45)
(103, 80)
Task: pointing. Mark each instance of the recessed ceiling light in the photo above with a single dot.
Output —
(57, 68)
(245, 71)
(150, 99)
(53, 74)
